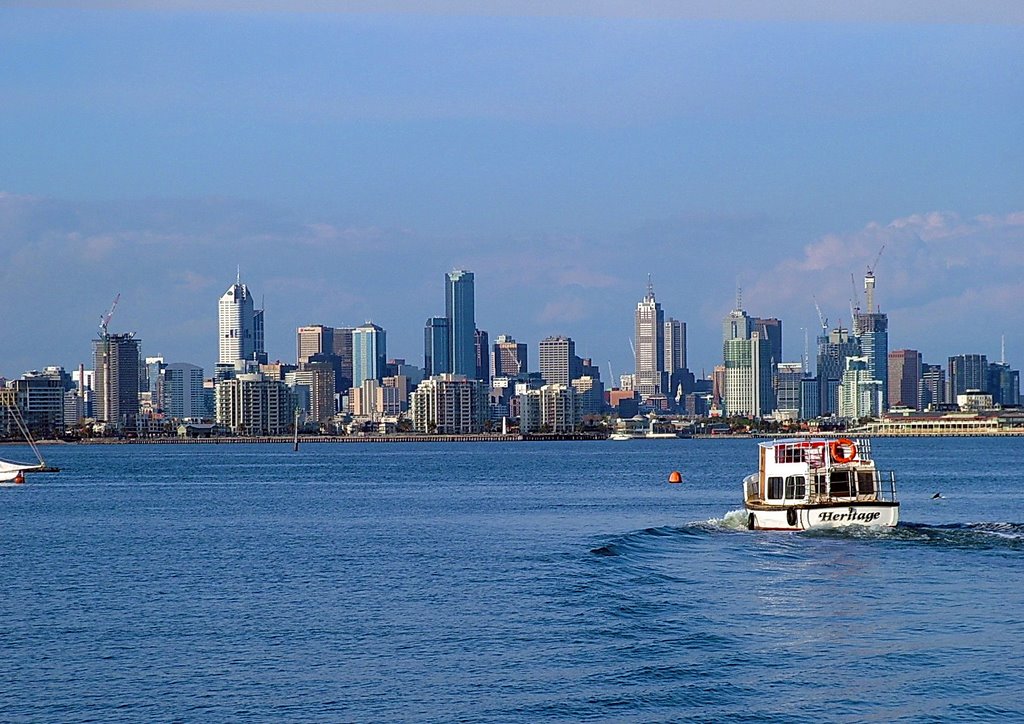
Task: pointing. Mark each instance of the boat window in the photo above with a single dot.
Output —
(789, 454)
(866, 482)
(819, 484)
(775, 487)
(839, 484)
(796, 486)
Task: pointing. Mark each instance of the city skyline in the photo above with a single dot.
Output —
(562, 156)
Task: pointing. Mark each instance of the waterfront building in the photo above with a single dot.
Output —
(1003, 384)
(39, 397)
(966, 372)
(459, 309)
(482, 355)
(833, 349)
(116, 383)
(931, 390)
(449, 404)
(559, 364)
(860, 395)
(508, 358)
(240, 327)
(974, 401)
(182, 396)
(251, 404)
(649, 376)
(904, 377)
(589, 395)
(551, 409)
(436, 344)
(369, 353)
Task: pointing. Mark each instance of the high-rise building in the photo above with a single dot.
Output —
(449, 405)
(589, 395)
(675, 346)
(251, 404)
(116, 384)
(832, 353)
(241, 327)
(318, 379)
(649, 375)
(436, 347)
(1003, 384)
(342, 349)
(39, 397)
(558, 360)
(860, 395)
(770, 330)
(459, 309)
(966, 372)
(482, 354)
(748, 377)
(369, 353)
(508, 357)
(872, 332)
(551, 409)
(182, 395)
(931, 390)
(312, 340)
(904, 377)
(789, 377)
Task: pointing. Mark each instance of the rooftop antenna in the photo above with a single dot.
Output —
(807, 351)
(1002, 349)
(650, 287)
(238, 274)
(739, 297)
(854, 305)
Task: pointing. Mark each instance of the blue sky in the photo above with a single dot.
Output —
(346, 160)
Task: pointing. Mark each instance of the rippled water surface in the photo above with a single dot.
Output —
(502, 582)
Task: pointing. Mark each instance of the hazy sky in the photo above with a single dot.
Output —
(346, 155)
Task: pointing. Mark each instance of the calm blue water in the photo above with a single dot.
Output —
(502, 582)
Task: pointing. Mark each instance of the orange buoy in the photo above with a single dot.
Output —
(675, 477)
(19, 478)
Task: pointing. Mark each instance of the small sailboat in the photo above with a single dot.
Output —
(13, 473)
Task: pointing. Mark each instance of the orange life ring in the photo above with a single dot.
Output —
(836, 446)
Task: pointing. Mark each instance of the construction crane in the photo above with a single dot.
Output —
(105, 319)
(821, 317)
(869, 282)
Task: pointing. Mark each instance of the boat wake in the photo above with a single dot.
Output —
(977, 536)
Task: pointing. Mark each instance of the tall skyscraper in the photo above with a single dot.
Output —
(116, 363)
(342, 349)
(482, 354)
(436, 347)
(747, 357)
(312, 340)
(860, 394)
(1003, 384)
(649, 375)
(459, 309)
(675, 346)
(770, 330)
(369, 353)
(508, 357)
(872, 332)
(558, 360)
(241, 327)
(904, 377)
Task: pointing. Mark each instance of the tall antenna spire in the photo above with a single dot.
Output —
(238, 274)
(1002, 349)
(739, 297)
(650, 287)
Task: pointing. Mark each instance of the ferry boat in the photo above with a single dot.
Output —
(809, 483)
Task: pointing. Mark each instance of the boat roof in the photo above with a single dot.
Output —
(800, 441)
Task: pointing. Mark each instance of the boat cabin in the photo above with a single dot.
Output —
(814, 471)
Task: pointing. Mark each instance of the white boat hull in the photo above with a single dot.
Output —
(819, 516)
